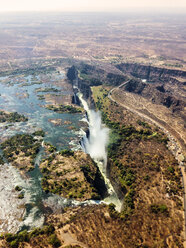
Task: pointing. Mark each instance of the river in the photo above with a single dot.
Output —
(18, 93)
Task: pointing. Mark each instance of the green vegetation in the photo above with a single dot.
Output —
(95, 179)
(50, 147)
(129, 200)
(63, 174)
(41, 97)
(14, 240)
(20, 143)
(128, 208)
(12, 117)
(21, 195)
(28, 84)
(39, 133)
(18, 188)
(159, 208)
(72, 73)
(22, 147)
(47, 90)
(67, 153)
(29, 71)
(64, 109)
(173, 65)
(173, 175)
(54, 241)
(130, 132)
(90, 80)
(112, 211)
(143, 123)
(1, 160)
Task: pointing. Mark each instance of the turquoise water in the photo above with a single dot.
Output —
(31, 106)
(11, 92)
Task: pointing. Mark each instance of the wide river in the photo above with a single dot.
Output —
(24, 94)
(18, 93)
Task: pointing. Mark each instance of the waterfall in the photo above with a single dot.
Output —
(96, 145)
(75, 99)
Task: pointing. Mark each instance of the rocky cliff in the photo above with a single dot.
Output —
(157, 93)
(150, 73)
(84, 76)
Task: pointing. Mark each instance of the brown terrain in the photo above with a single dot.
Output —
(150, 39)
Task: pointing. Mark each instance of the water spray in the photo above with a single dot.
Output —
(96, 145)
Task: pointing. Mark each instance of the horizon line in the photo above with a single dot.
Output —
(172, 10)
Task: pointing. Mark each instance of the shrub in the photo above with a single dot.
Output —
(112, 211)
(18, 188)
(146, 178)
(129, 199)
(159, 208)
(21, 196)
(14, 243)
(54, 241)
(171, 169)
(39, 133)
(23, 236)
(48, 229)
(67, 153)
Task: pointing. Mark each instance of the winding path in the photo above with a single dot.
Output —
(177, 146)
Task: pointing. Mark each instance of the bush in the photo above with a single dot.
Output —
(14, 240)
(66, 152)
(112, 211)
(48, 229)
(146, 178)
(21, 196)
(54, 241)
(159, 208)
(1, 160)
(23, 236)
(171, 169)
(14, 243)
(129, 199)
(39, 133)
(9, 237)
(18, 188)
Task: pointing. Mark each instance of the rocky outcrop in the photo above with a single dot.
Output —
(72, 73)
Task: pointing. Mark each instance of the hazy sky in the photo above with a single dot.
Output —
(88, 5)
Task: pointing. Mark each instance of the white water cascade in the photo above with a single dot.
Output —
(96, 146)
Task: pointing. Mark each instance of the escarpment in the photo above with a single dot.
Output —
(149, 72)
(156, 93)
(84, 76)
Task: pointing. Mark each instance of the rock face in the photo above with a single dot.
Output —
(72, 73)
(89, 76)
(157, 94)
(150, 73)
